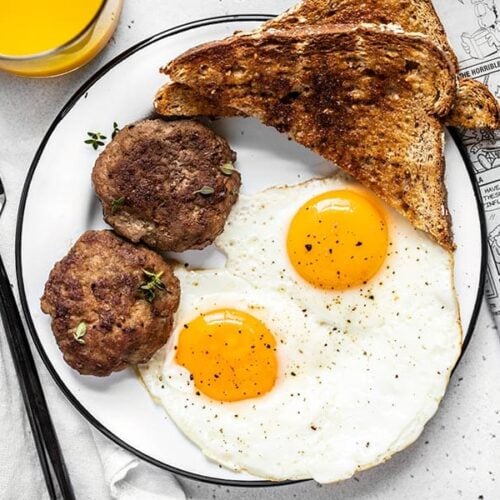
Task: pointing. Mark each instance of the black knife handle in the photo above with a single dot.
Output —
(47, 445)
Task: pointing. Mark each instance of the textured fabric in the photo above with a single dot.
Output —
(97, 467)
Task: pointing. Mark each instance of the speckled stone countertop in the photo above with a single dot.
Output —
(458, 455)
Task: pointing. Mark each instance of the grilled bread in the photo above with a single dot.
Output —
(175, 99)
(417, 16)
(475, 106)
(367, 98)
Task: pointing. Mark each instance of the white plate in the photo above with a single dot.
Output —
(58, 205)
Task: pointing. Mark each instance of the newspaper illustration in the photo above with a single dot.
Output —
(473, 27)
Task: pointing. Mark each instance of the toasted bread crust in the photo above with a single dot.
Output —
(366, 98)
(175, 99)
(417, 16)
(391, 54)
(474, 107)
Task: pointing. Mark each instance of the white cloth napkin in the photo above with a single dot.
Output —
(98, 468)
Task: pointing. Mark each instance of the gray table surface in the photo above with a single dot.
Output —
(458, 455)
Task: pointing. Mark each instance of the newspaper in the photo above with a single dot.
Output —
(473, 28)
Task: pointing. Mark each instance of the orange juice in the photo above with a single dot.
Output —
(28, 27)
(49, 37)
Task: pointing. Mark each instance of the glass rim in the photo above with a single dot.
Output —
(55, 50)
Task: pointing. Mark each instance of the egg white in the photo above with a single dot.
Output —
(224, 430)
(360, 371)
(416, 277)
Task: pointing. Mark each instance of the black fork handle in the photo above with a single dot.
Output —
(46, 442)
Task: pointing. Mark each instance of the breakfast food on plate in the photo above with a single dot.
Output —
(367, 98)
(474, 106)
(337, 237)
(176, 99)
(314, 353)
(326, 342)
(417, 16)
(170, 185)
(112, 303)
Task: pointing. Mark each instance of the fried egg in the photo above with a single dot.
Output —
(299, 362)
(341, 254)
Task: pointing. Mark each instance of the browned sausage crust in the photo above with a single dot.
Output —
(101, 318)
(168, 184)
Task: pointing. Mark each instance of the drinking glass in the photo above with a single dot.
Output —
(73, 53)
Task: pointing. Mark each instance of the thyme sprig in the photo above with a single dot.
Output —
(117, 204)
(116, 129)
(205, 191)
(227, 168)
(95, 139)
(152, 283)
(80, 332)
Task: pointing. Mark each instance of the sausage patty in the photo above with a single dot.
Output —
(170, 185)
(112, 303)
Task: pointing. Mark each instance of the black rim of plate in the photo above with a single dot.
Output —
(19, 229)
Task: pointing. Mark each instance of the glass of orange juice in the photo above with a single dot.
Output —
(41, 38)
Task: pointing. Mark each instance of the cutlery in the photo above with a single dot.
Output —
(47, 445)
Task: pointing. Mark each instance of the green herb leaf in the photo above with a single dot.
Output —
(227, 168)
(116, 129)
(80, 332)
(116, 204)
(205, 191)
(152, 283)
(96, 139)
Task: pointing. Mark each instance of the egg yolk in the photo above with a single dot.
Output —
(230, 354)
(338, 240)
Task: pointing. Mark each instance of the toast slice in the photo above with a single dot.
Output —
(475, 106)
(414, 16)
(176, 99)
(365, 97)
